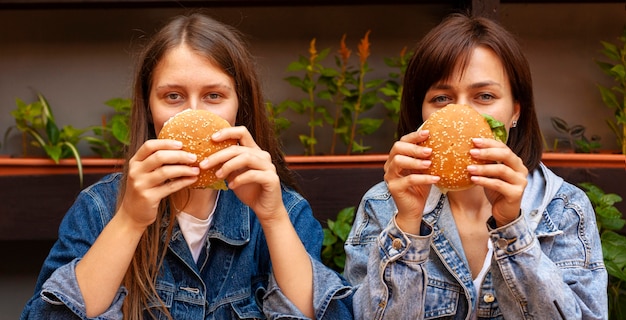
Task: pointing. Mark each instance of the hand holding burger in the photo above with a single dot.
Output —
(194, 129)
(452, 129)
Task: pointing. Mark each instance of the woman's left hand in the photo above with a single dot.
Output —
(503, 178)
(249, 172)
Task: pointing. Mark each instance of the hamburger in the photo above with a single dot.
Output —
(451, 131)
(194, 129)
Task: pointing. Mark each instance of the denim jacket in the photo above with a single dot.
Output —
(231, 280)
(547, 264)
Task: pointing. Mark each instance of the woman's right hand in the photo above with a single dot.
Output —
(159, 168)
(408, 187)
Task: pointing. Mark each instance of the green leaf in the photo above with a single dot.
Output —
(297, 66)
(497, 127)
(52, 131)
(53, 151)
(369, 125)
(120, 131)
(340, 261)
(296, 82)
(610, 50)
(612, 223)
(342, 230)
(79, 163)
(577, 131)
(120, 105)
(346, 215)
(329, 238)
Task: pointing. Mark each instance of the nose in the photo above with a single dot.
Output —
(193, 104)
(463, 100)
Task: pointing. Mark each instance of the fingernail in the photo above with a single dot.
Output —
(216, 135)
(471, 168)
(191, 156)
(474, 152)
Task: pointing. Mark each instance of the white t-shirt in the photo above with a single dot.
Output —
(195, 230)
(481, 276)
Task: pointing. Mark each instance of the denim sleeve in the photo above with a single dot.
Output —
(379, 259)
(332, 294)
(384, 292)
(60, 298)
(557, 275)
(57, 295)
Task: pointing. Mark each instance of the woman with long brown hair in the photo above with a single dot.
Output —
(142, 245)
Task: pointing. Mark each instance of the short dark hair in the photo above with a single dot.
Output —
(450, 44)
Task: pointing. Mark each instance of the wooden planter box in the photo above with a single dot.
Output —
(36, 193)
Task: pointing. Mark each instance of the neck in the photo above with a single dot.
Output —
(471, 203)
(196, 202)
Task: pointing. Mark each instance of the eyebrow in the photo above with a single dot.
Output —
(482, 84)
(210, 86)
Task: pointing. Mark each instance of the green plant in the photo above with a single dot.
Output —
(274, 113)
(112, 136)
(36, 120)
(614, 97)
(576, 138)
(340, 96)
(610, 222)
(393, 86)
(335, 235)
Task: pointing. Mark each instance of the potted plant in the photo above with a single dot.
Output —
(610, 223)
(39, 129)
(38, 126)
(338, 98)
(335, 235)
(576, 138)
(615, 97)
(112, 136)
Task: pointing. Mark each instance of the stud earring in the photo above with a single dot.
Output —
(514, 124)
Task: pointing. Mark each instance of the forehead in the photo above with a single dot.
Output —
(480, 60)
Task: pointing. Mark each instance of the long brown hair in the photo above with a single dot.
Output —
(449, 45)
(225, 47)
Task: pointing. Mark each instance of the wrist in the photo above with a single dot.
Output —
(408, 223)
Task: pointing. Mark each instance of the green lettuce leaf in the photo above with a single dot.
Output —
(497, 127)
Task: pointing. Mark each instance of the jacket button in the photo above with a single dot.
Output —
(502, 243)
(489, 298)
(397, 243)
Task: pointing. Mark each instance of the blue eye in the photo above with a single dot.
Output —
(440, 99)
(486, 97)
(173, 96)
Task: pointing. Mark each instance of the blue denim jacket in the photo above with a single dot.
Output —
(231, 280)
(547, 264)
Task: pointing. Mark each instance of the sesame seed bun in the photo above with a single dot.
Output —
(451, 131)
(194, 129)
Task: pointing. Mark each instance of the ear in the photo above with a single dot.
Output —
(517, 109)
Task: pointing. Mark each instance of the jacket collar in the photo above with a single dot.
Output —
(231, 222)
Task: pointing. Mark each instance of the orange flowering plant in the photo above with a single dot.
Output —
(340, 96)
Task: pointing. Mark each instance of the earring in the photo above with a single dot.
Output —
(514, 124)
